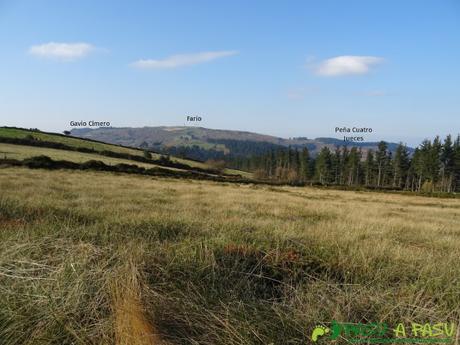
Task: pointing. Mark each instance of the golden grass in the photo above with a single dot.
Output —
(131, 324)
(220, 263)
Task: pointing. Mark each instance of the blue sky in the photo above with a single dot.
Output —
(286, 68)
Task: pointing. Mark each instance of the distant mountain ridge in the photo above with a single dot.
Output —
(217, 141)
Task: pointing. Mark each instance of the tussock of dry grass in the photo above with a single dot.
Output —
(207, 263)
(131, 324)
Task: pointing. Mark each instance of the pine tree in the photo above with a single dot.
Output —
(434, 161)
(336, 162)
(381, 160)
(456, 166)
(353, 166)
(296, 164)
(447, 164)
(400, 166)
(323, 166)
(344, 165)
(305, 164)
(421, 164)
(369, 167)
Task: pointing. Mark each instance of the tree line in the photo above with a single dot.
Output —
(433, 166)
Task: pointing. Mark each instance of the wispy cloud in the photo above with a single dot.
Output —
(62, 51)
(180, 60)
(347, 65)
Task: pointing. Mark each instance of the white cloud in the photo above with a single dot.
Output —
(62, 51)
(180, 60)
(347, 65)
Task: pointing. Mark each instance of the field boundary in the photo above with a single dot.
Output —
(45, 162)
(163, 161)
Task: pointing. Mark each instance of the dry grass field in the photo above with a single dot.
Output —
(102, 258)
(21, 152)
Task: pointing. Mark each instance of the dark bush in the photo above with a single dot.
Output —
(40, 162)
(94, 165)
(147, 154)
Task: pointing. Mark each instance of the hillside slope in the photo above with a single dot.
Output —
(238, 143)
(19, 144)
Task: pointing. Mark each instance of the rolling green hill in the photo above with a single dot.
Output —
(20, 133)
(18, 143)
